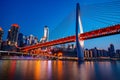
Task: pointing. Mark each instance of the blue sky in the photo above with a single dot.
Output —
(33, 15)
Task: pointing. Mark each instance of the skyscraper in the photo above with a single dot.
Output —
(118, 53)
(1, 34)
(13, 34)
(25, 40)
(111, 50)
(46, 32)
(9, 36)
(35, 40)
(20, 40)
(46, 35)
(30, 39)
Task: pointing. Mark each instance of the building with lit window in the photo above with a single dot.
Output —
(118, 53)
(1, 34)
(45, 36)
(13, 34)
(111, 50)
(20, 40)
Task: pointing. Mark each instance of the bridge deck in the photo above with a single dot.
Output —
(84, 36)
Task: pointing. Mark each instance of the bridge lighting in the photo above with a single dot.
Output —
(81, 31)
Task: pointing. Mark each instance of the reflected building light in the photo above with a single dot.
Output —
(49, 69)
(37, 73)
(60, 70)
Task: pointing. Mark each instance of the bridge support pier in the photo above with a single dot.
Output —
(79, 47)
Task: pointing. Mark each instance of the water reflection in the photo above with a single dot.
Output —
(58, 70)
(37, 71)
(12, 70)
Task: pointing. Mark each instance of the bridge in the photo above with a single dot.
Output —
(112, 30)
(78, 37)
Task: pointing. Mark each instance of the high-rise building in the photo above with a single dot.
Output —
(35, 40)
(46, 35)
(86, 53)
(9, 36)
(20, 40)
(30, 40)
(1, 34)
(94, 52)
(118, 53)
(24, 40)
(31, 37)
(46, 32)
(13, 34)
(111, 50)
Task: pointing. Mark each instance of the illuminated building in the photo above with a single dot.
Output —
(24, 40)
(30, 40)
(1, 34)
(35, 40)
(95, 53)
(9, 36)
(86, 53)
(13, 34)
(20, 40)
(111, 50)
(46, 35)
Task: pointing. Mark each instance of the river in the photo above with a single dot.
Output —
(59, 70)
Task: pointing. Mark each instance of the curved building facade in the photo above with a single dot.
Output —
(13, 34)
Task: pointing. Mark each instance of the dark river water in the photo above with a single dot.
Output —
(59, 70)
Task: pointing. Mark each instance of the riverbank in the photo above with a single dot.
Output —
(56, 58)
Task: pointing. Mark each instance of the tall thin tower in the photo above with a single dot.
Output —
(79, 44)
(46, 33)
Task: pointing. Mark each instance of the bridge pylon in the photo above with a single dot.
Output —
(79, 43)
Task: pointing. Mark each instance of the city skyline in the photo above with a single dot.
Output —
(42, 14)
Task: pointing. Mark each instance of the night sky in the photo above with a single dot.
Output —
(33, 15)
